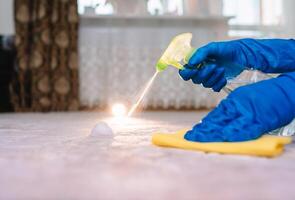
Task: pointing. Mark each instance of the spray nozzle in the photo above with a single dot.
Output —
(177, 53)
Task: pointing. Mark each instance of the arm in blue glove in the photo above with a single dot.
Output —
(249, 111)
(221, 60)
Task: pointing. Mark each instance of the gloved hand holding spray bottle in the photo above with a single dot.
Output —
(248, 111)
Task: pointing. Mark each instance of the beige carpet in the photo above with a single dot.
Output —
(53, 156)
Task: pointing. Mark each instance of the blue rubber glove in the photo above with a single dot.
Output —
(225, 60)
(249, 111)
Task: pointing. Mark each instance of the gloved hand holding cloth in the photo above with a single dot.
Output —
(251, 110)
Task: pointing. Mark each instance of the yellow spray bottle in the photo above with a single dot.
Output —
(178, 53)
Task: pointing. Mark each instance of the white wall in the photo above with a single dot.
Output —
(6, 17)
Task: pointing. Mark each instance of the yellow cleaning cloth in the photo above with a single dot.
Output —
(267, 145)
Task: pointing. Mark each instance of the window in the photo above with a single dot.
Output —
(253, 17)
(250, 18)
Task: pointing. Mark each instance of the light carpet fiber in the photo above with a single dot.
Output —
(53, 156)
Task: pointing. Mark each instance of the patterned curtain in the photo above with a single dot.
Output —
(47, 60)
